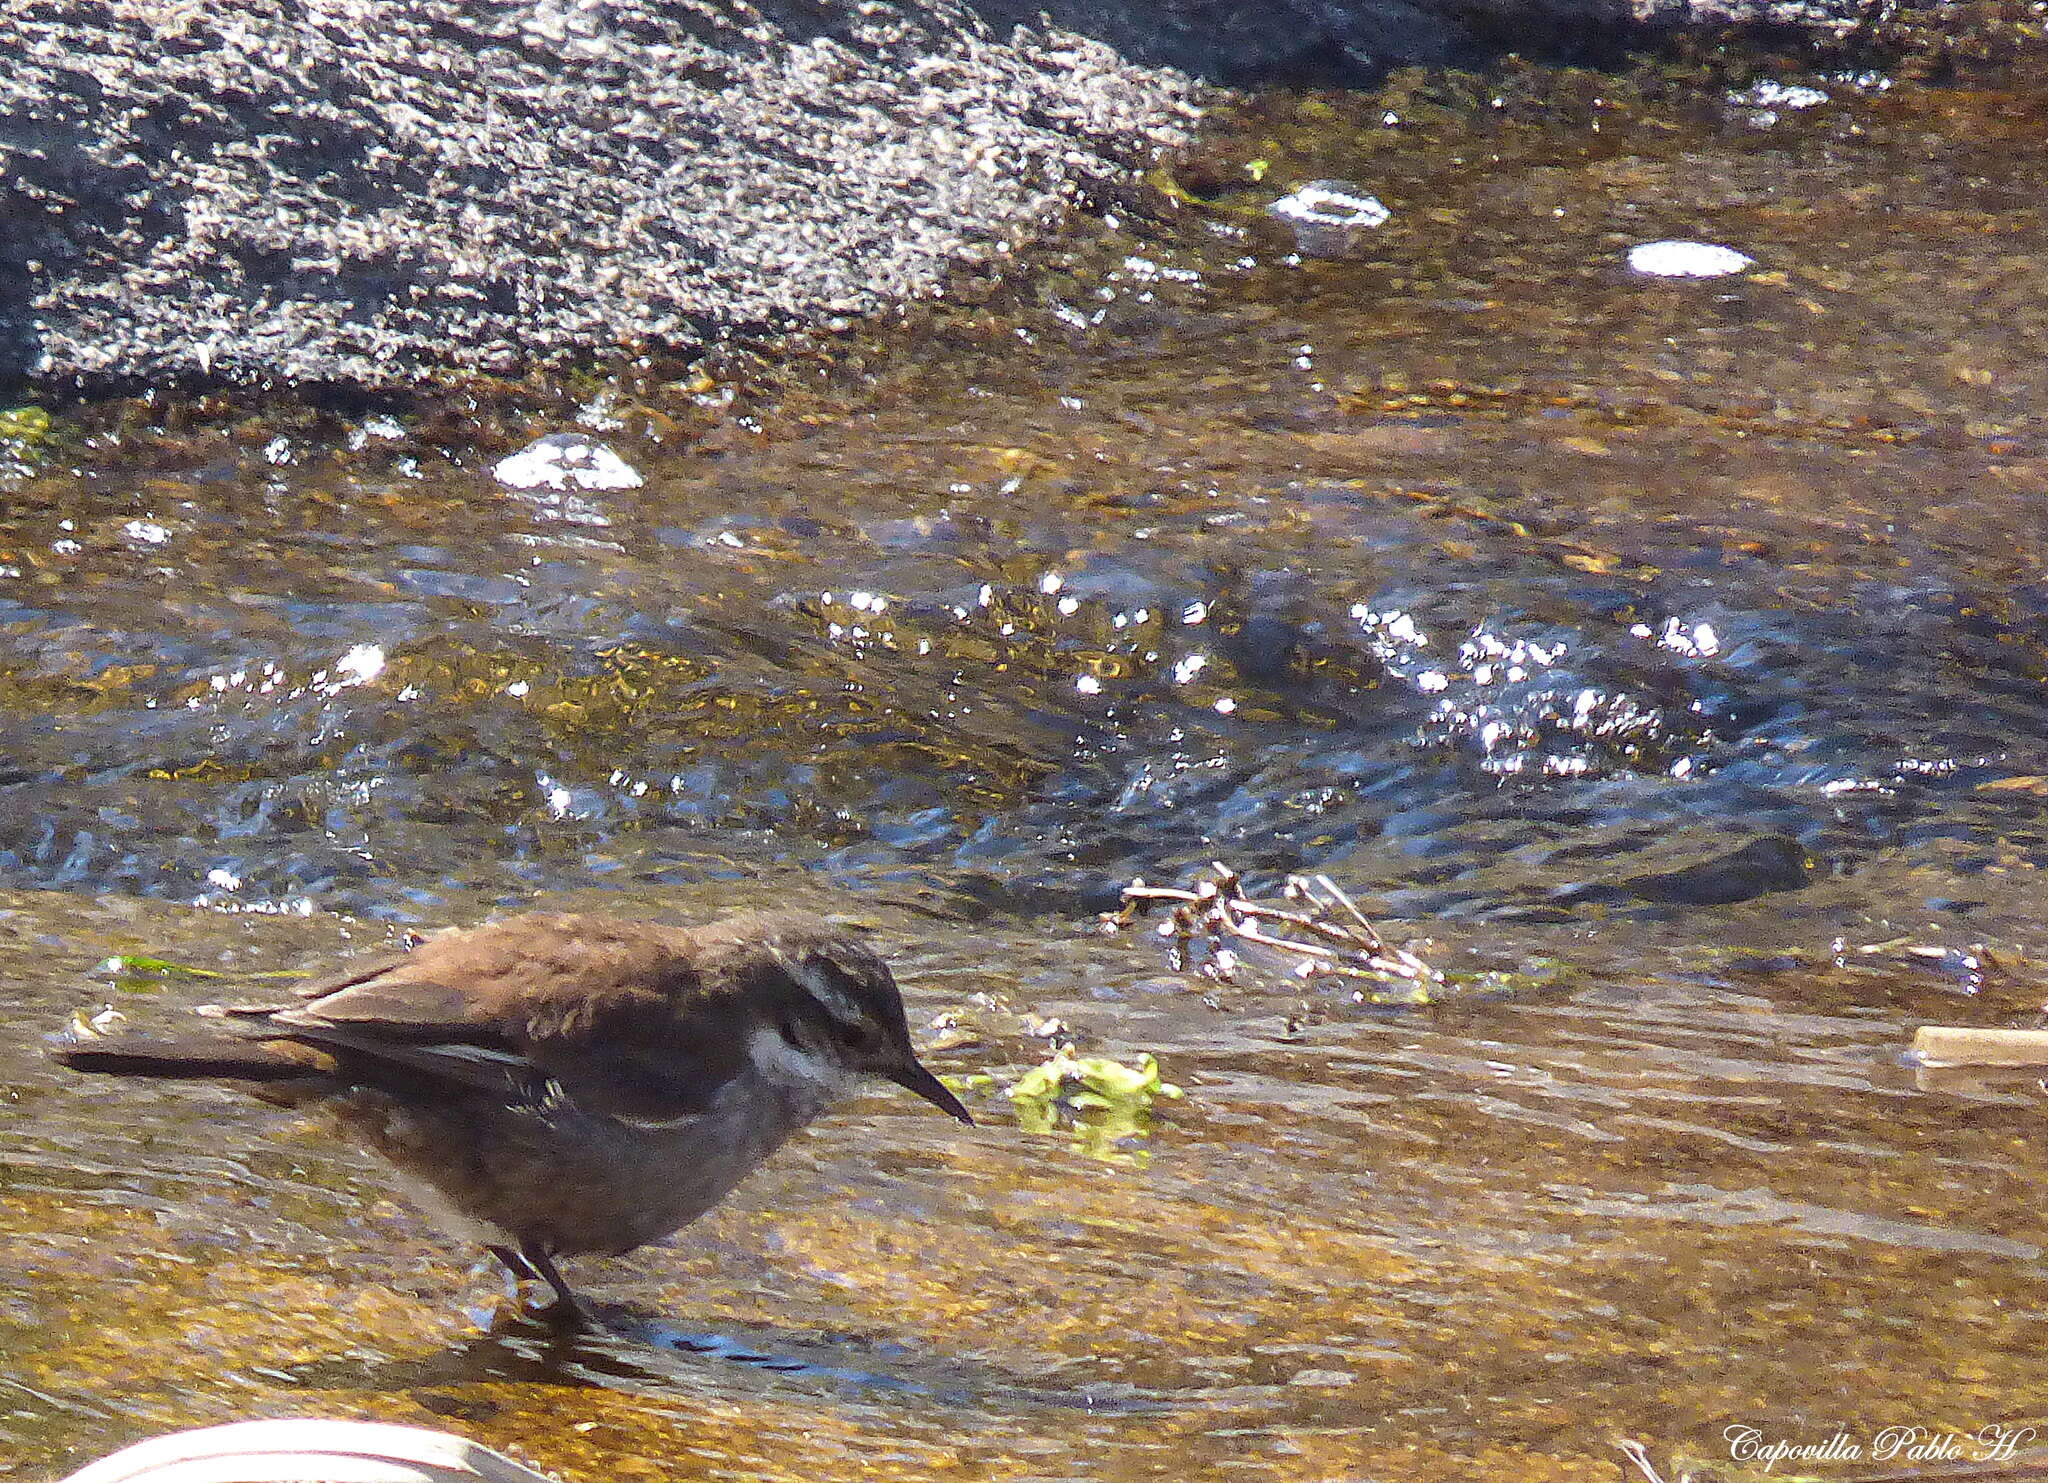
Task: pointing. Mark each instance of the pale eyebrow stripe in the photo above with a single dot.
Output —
(815, 977)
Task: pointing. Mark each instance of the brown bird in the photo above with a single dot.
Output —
(550, 1085)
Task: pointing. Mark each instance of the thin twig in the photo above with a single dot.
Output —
(1214, 911)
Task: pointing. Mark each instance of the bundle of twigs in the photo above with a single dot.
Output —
(1321, 930)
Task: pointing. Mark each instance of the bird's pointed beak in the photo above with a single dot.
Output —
(914, 1078)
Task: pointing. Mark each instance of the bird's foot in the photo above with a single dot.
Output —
(568, 1315)
(554, 1305)
(522, 1310)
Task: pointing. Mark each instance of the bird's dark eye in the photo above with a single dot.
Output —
(859, 1036)
(787, 1030)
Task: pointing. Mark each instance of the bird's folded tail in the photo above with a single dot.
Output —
(223, 1059)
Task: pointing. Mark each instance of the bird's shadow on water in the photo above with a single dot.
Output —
(643, 1353)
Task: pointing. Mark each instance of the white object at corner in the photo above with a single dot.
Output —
(307, 1450)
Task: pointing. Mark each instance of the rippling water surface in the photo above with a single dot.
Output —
(1679, 649)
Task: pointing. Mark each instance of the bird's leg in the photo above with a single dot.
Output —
(517, 1270)
(528, 1262)
(568, 1309)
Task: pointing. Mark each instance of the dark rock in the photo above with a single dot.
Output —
(1724, 876)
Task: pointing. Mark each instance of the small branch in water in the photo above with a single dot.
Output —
(1204, 921)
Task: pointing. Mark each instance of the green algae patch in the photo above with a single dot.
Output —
(24, 427)
(25, 438)
(1103, 1102)
(1535, 975)
(1092, 1082)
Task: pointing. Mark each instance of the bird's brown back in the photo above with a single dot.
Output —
(622, 1015)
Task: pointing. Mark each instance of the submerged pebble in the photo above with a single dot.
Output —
(1677, 259)
(563, 460)
(1772, 94)
(1330, 218)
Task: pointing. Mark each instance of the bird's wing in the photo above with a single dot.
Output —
(355, 971)
(610, 1015)
(446, 1066)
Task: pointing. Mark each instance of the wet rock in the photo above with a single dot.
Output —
(349, 191)
(978, 893)
(1722, 876)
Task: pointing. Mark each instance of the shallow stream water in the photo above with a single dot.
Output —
(1677, 651)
